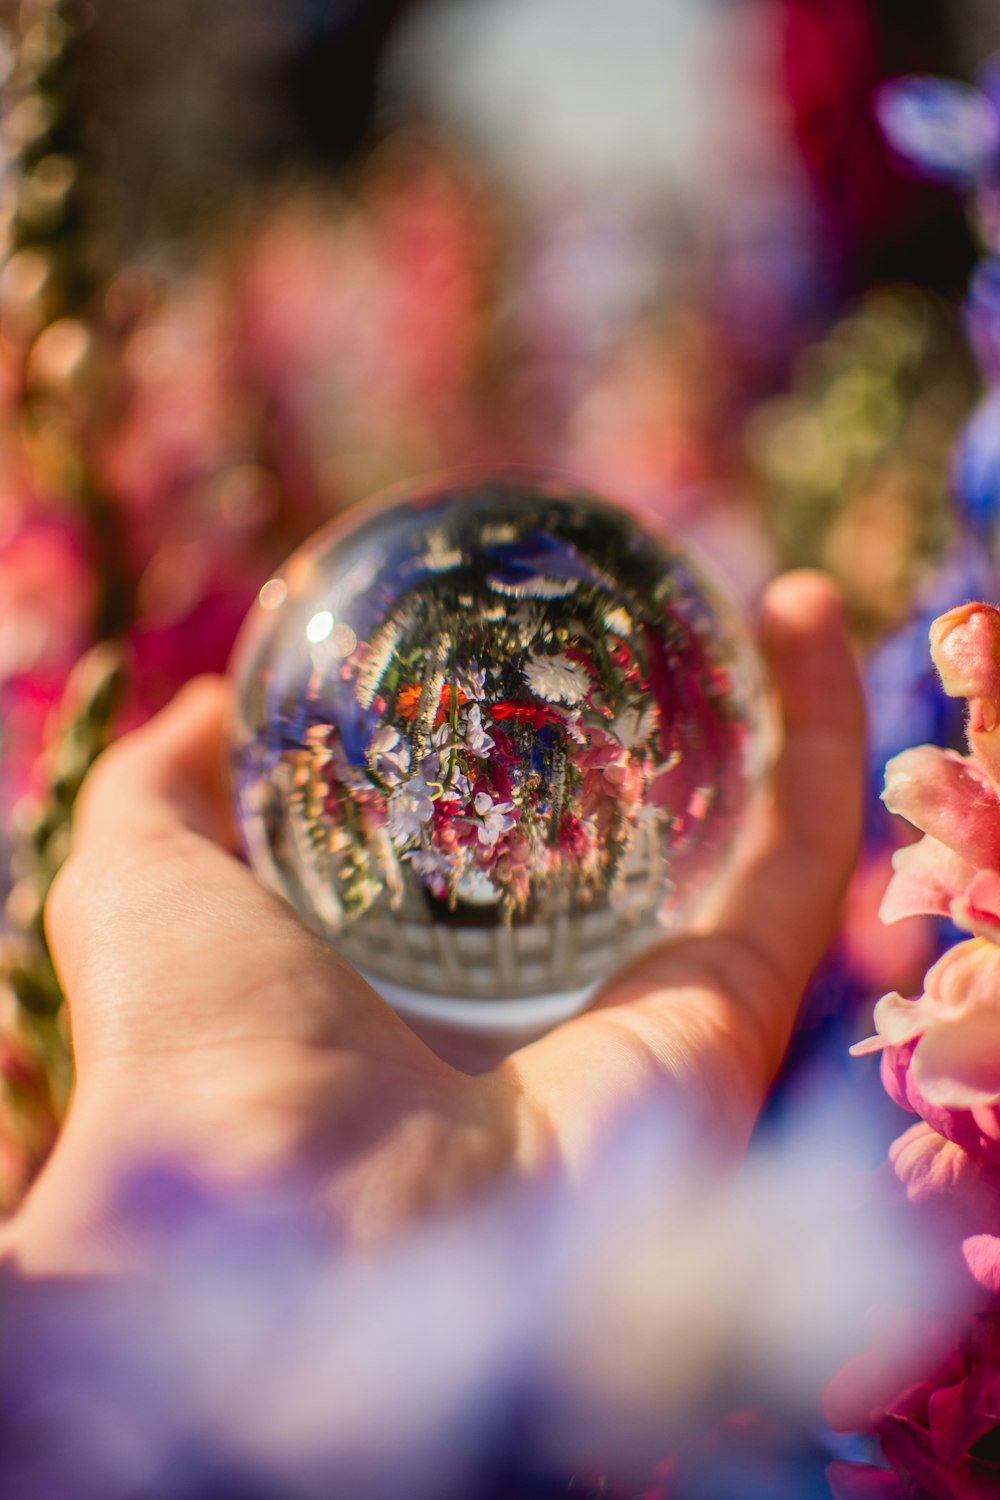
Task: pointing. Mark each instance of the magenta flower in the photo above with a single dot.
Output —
(943, 1433)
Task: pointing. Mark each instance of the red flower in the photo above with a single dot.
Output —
(525, 713)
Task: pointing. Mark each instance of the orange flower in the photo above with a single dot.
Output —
(408, 701)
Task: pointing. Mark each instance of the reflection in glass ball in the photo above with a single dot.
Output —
(490, 737)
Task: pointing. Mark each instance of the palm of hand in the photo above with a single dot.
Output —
(207, 1020)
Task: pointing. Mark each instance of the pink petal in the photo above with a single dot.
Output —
(869, 1045)
(957, 1062)
(927, 878)
(944, 1176)
(965, 648)
(948, 796)
(956, 1424)
(981, 1253)
(987, 1122)
(966, 975)
(978, 908)
(898, 1020)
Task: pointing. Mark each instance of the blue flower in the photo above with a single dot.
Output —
(355, 724)
(538, 555)
(948, 130)
(982, 316)
(976, 467)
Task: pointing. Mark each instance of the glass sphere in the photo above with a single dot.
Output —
(491, 739)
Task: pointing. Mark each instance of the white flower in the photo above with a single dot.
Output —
(557, 679)
(476, 738)
(432, 869)
(388, 752)
(475, 887)
(633, 726)
(472, 681)
(495, 816)
(409, 809)
(575, 729)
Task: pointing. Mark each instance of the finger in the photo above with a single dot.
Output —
(712, 1015)
(784, 906)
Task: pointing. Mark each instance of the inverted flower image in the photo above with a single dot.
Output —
(493, 704)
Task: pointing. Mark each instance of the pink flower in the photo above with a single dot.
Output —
(960, 1194)
(942, 1049)
(953, 870)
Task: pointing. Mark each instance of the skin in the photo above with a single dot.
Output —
(208, 1023)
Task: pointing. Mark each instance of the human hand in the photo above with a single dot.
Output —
(209, 1023)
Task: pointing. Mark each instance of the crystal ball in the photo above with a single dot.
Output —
(492, 738)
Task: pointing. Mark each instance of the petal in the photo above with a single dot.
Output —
(957, 1422)
(967, 975)
(941, 1174)
(869, 1045)
(898, 1020)
(978, 908)
(483, 802)
(964, 647)
(981, 1253)
(948, 796)
(957, 1062)
(927, 877)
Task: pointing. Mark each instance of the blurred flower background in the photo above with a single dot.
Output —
(264, 257)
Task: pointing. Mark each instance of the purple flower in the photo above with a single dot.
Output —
(623, 1320)
(948, 130)
(976, 466)
(982, 316)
